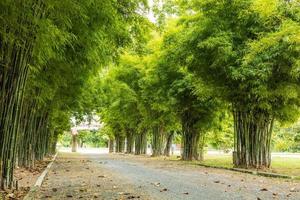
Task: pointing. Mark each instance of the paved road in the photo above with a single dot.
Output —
(187, 182)
(76, 176)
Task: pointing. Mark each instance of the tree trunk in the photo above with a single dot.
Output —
(169, 143)
(158, 141)
(190, 137)
(252, 139)
(120, 144)
(53, 143)
(74, 143)
(141, 143)
(130, 142)
(111, 145)
(15, 54)
(199, 153)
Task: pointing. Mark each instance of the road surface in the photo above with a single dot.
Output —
(103, 176)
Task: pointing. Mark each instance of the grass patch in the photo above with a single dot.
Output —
(280, 165)
(286, 166)
(218, 160)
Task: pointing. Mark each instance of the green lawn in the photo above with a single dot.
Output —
(288, 166)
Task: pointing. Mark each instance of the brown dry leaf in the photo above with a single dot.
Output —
(294, 190)
(157, 184)
(133, 197)
(10, 196)
(83, 190)
(95, 195)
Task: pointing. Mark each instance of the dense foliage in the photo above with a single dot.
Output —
(205, 72)
(48, 49)
(220, 72)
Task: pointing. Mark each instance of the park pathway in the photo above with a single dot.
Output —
(103, 176)
(75, 176)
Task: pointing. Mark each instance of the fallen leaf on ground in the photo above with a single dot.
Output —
(133, 197)
(96, 195)
(263, 189)
(294, 190)
(11, 195)
(156, 184)
(83, 190)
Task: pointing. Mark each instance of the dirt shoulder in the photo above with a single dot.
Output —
(75, 176)
(26, 178)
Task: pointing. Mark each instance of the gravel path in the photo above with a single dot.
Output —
(137, 177)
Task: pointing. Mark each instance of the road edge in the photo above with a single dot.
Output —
(39, 181)
(254, 172)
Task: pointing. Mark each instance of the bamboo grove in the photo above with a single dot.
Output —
(48, 48)
(201, 68)
(211, 67)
